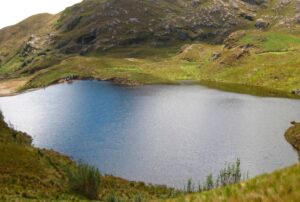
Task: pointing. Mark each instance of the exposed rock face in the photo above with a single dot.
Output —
(100, 25)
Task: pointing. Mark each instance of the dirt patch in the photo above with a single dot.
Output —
(10, 87)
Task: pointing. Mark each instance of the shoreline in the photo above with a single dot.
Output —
(6, 90)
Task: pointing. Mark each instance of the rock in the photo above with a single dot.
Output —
(30, 46)
(297, 19)
(293, 122)
(247, 16)
(183, 36)
(255, 2)
(261, 24)
(86, 38)
(296, 92)
(134, 20)
(215, 56)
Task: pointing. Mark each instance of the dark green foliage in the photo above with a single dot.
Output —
(209, 184)
(189, 188)
(85, 180)
(112, 198)
(138, 198)
(231, 174)
(10, 135)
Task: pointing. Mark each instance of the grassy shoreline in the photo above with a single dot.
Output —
(223, 86)
(292, 135)
(239, 68)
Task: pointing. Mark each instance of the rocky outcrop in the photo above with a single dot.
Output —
(262, 24)
(292, 135)
(98, 25)
(255, 2)
(296, 92)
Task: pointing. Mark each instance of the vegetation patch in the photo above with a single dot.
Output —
(85, 180)
(292, 135)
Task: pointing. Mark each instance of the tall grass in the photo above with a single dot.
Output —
(85, 180)
(230, 174)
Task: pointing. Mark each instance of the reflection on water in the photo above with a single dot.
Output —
(157, 134)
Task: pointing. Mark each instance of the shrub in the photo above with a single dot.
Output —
(138, 198)
(112, 198)
(231, 174)
(189, 188)
(85, 180)
(209, 184)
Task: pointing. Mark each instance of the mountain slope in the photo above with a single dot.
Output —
(159, 41)
(12, 38)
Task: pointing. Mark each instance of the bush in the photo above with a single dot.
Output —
(209, 184)
(189, 187)
(230, 174)
(85, 180)
(112, 198)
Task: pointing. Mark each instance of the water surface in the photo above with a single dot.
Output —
(157, 134)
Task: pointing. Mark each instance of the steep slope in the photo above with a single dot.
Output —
(14, 37)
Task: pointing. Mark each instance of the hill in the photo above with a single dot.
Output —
(242, 43)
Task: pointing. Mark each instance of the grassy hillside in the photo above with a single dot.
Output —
(29, 173)
(267, 61)
(231, 45)
(292, 135)
(282, 185)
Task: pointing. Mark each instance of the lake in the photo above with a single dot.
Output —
(158, 134)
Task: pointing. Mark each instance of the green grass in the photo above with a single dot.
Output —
(282, 185)
(271, 71)
(272, 41)
(292, 135)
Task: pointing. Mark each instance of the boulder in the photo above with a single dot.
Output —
(255, 2)
(248, 16)
(183, 36)
(87, 38)
(296, 92)
(261, 24)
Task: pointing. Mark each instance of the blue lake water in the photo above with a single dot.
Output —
(157, 134)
